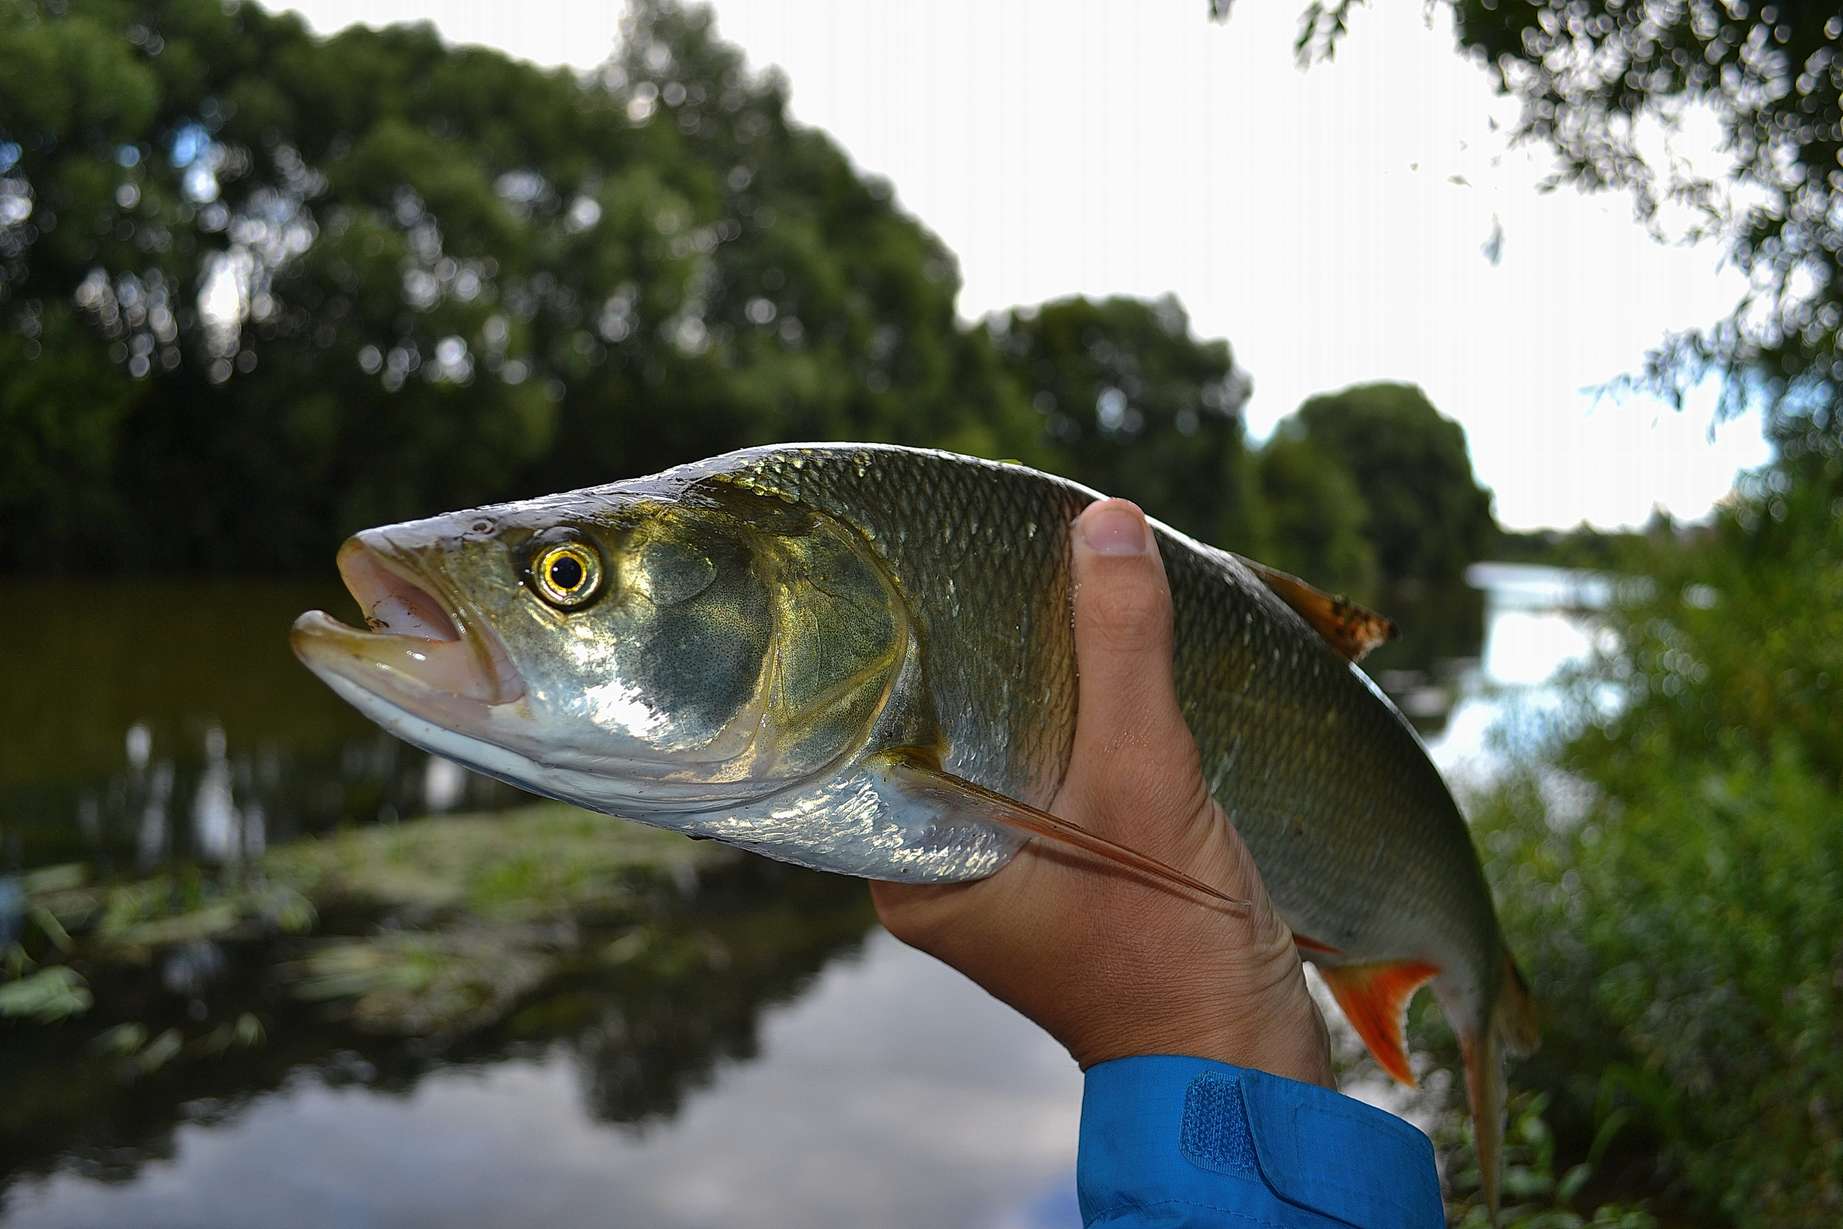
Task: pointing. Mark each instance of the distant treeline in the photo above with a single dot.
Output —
(1607, 550)
(259, 289)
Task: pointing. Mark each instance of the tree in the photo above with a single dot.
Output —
(1317, 520)
(1132, 404)
(160, 159)
(1428, 517)
(259, 289)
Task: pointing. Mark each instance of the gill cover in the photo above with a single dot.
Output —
(839, 634)
(740, 647)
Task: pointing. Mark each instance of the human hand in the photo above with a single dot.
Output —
(1110, 964)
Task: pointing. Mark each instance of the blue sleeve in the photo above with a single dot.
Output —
(1186, 1143)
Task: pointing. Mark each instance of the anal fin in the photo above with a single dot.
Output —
(1374, 998)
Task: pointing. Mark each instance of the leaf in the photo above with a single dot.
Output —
(49, 995)
(1572, 1182)
(122, 1040)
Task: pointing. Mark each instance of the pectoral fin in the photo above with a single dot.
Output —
(910, 773)
(1306, 943)
(1375, 998)
(1351, 629)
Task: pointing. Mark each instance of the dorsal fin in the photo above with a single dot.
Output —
(1351, 629)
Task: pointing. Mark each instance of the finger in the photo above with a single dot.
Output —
(1135, 767)
(1129, 728)
(1122, 630)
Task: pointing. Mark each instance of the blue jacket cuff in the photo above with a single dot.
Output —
(1185, 1142)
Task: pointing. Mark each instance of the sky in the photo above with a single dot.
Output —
(1332, 223)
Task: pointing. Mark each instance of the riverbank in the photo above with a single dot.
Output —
(391, 950)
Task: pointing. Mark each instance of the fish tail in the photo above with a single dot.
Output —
(1511, 1028)
(1516, 1017)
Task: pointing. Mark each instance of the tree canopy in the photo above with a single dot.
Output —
(1317, 518)
(1135, 405)
(259, 285)
(1427, 516)
(259, 289)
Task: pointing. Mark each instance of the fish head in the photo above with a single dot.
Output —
(635, 651)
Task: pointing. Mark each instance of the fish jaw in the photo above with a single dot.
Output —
(422, 668)
(420, 654)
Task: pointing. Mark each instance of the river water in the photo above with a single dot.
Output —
(863, 1084)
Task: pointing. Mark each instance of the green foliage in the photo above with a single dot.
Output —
(185, 905)
(1686, 929)
(278, 287)
(424, 983)
(477, 898)
(1740, 645)
(1427, 516)
(1595, 550)
(1534, 1196)
(535, 863)
(1135, 406)
(261, 289)
(46, 995)
(1317, 520)
(1772, 77)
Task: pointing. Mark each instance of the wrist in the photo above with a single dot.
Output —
(1280, 1034)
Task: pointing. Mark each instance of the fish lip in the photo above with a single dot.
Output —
(444, 663)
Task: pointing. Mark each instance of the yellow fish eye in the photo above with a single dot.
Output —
(567, 574)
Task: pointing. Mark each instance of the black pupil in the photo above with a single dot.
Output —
(566, 572)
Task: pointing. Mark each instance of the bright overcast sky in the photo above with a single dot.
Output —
(1330, 223)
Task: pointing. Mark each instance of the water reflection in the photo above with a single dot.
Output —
(1504, 699)
(642, 1025)
(1440, 638)
(158, 721)
(887, 1094)
(726, 1048)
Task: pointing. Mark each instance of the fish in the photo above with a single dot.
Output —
(860, 658)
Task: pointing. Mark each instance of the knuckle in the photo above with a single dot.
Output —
(921, 916)
(911, 932)
(1129, 617)
(898, 912)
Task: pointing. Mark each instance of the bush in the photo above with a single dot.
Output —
(1684, 926)
(1533, 1196)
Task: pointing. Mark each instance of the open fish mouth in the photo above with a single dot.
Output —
(417, 651)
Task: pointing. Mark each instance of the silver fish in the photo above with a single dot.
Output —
(859, 658)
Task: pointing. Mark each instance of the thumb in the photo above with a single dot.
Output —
(1132, 745)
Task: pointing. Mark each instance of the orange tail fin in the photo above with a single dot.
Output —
(1375, 998)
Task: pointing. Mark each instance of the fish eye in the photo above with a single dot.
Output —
(566, 574)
